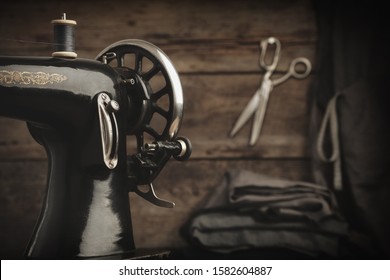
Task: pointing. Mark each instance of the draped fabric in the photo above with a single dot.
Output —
(350, 97)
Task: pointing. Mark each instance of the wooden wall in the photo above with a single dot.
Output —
(214, 46)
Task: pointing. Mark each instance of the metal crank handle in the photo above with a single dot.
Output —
(150, 195)
(180, 148)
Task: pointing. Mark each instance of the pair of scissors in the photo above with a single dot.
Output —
(258, 103)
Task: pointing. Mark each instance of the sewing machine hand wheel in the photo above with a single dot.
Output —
(155, 109)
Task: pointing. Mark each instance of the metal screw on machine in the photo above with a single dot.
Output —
(112, 106)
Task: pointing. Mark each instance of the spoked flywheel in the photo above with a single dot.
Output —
(155, 110)
(160, 107)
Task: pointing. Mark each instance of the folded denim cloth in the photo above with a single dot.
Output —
(254, 211)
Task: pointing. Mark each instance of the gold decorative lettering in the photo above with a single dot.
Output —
(30, 78)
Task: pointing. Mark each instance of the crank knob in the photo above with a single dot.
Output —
(186, 149)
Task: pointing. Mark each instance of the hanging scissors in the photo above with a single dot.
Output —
(258, 103)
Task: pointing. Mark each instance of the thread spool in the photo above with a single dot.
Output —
(63, 30)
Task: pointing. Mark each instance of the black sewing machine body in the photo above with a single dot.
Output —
(58, 98)
(81, 111)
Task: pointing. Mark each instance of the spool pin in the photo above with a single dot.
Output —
(63, 30)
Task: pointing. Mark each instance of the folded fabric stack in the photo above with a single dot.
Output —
(253, 211)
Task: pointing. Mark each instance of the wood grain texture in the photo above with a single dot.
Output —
(100, 24)
(214, 46)
(213, 103)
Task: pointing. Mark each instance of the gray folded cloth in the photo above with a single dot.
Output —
(250, 210)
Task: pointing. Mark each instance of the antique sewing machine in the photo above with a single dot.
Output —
(82, 111)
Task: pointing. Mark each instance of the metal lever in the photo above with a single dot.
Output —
(149, 163)
(108, 129)
(151, 196)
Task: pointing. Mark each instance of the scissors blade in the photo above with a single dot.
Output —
(260, 112)
(246, 113)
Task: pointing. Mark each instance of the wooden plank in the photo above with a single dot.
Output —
(22, 187)
(212, 105)
(203, 56)
(215, 56)
(160, 22)
(228, 56)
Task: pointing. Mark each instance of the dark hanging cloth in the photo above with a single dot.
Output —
(350, 118)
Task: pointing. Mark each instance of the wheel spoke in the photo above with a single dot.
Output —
(138, 62)
(148, 75)
(118, 57)
(151, 131)
(156, 96)
(120, 60)
(161, 111)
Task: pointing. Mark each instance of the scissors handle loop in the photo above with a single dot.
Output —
(292, 71)
(263, 46)
(293, 68)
